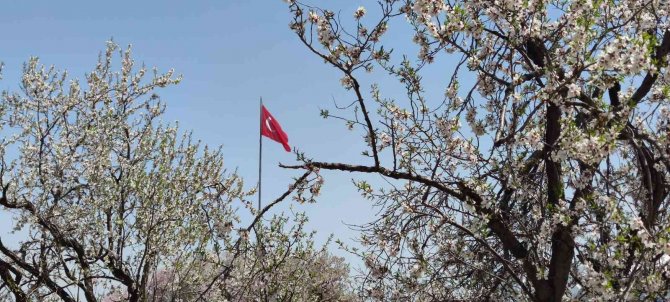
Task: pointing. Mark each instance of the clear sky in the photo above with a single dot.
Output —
(230, 53)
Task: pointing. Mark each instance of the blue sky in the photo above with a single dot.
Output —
(230, 54)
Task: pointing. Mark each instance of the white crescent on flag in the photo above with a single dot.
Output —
(267, 124)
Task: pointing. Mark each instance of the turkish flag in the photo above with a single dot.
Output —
(270, 128)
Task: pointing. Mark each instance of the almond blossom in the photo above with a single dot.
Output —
(536, 168)
(117, 205)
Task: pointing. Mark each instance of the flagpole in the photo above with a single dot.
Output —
(260, 151)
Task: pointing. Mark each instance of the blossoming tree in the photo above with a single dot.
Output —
(116, 205)
(542, 172)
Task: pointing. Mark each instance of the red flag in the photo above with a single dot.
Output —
(270, 128)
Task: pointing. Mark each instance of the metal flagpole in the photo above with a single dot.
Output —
(260, 165)
(260, 152)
